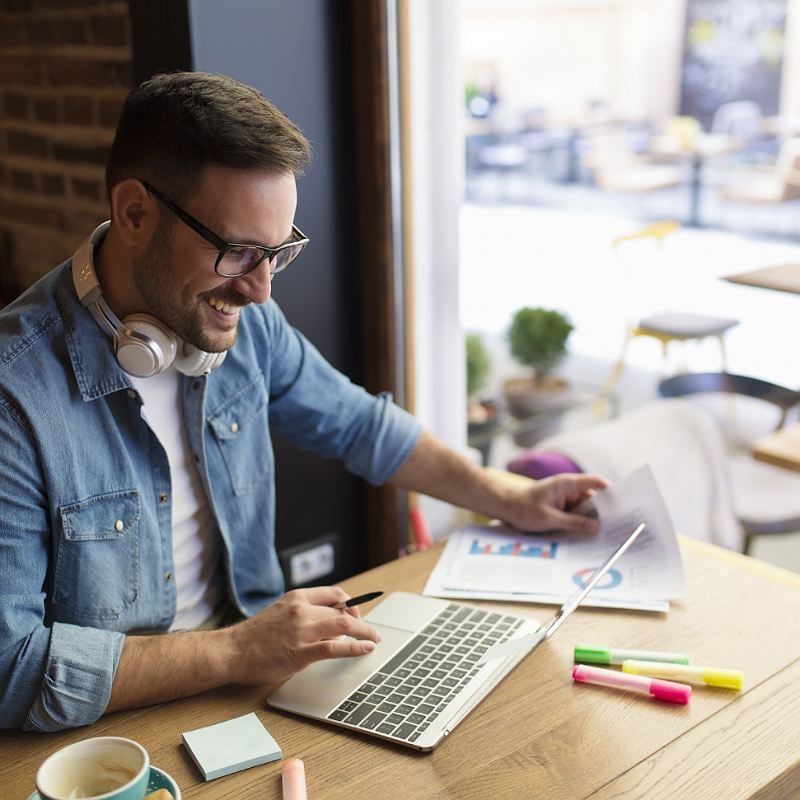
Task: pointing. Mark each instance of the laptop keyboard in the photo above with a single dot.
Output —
(410, 690)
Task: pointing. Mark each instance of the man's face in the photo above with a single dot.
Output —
(175, 274)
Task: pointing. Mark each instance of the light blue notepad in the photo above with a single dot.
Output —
(231, 746)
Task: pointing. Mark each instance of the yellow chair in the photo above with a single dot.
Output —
(666, 327)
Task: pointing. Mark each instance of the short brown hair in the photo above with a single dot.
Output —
(176, 124)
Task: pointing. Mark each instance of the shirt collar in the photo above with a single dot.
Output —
(91, 350)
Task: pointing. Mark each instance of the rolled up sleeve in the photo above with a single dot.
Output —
(51, 676)
(76, 686)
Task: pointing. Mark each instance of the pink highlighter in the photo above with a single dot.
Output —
(662, 690)
(294, 779)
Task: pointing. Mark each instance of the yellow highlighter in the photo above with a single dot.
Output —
(710, 676)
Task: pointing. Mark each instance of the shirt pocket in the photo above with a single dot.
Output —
(241, 429)
(97, 564)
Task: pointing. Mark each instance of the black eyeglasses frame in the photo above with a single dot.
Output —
(298, 237)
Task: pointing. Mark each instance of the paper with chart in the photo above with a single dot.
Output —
(500, 563)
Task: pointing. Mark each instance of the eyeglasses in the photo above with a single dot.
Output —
(234, 259)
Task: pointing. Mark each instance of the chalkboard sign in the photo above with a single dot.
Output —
(733, 50)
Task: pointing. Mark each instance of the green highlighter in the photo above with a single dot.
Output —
(592, 654)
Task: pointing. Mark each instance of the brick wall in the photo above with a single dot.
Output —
(65, 67)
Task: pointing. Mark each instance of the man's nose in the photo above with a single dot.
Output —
(256, 286)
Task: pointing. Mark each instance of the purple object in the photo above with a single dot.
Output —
(538, 464)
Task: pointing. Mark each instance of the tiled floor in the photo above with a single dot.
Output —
(513, 256)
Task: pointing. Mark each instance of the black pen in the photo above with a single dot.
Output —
(357, 601)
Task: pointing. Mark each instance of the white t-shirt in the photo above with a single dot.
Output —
(195, 540)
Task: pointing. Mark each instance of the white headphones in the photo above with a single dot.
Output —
(144, 346)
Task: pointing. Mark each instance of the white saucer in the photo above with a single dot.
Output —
(158, 780)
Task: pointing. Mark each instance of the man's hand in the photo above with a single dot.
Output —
(300, 628)
(435, 469)
(545, 505)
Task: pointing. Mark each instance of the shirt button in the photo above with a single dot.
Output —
(119, 525)
(162, 498)
(131, 393)
(234, 427)
(167, 576)
(195, 384)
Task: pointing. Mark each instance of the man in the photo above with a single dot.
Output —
(138, 385)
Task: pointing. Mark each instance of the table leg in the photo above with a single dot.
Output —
(694, 193)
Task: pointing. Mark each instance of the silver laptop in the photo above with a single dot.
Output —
(435, 662)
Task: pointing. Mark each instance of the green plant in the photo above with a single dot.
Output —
(471, 91)
(538, 338)
(477, 364)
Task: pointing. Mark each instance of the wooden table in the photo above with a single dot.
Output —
(780, 278)
(538, 735)
(781, 448)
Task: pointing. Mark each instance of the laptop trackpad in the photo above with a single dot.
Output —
(320, 687)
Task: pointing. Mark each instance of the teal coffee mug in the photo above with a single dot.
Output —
(104, 768)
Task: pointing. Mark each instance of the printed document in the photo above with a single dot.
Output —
(500, 563)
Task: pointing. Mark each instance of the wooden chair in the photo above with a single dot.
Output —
(667, 326)
(767, 185)
(615, 167)
(766, 497)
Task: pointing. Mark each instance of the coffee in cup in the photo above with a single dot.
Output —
(103, 768)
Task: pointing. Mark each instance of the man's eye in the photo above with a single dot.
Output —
(243, 255)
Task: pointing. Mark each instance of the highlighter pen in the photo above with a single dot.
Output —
(293, 773)
(710, 676)
(661, 690)
(592, 654)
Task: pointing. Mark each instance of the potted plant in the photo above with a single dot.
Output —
(481, 413)
(538, 339)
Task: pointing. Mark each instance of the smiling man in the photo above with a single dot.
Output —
(139, 384)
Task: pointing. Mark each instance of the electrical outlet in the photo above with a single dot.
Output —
(312, 563)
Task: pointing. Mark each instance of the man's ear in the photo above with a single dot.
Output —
(134, 212)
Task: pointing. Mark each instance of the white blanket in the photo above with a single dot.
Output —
(686, 450)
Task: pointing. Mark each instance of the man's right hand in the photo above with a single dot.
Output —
(301, 627)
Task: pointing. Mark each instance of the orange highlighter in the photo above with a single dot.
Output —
(294, 779)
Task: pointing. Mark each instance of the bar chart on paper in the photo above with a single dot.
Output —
(480, 547)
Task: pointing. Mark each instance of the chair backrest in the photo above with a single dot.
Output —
(705, 382)
(739, 118)
(684, 447)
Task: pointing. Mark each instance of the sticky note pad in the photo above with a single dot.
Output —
(231, 746)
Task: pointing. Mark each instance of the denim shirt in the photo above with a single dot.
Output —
(85, 495)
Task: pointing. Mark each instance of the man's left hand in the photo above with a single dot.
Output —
(545, 505)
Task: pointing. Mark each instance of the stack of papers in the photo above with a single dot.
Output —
(499, 563)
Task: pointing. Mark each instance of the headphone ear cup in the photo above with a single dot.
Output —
(193, 362)
(145, 347)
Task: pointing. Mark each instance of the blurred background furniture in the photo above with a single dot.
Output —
(617, 163)
(766, 497)
(666, 326)
(682, 444)
(683, 139)
(780, 278)
(699, 451)
(781, 448)
(761, 184)
(741, 118)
